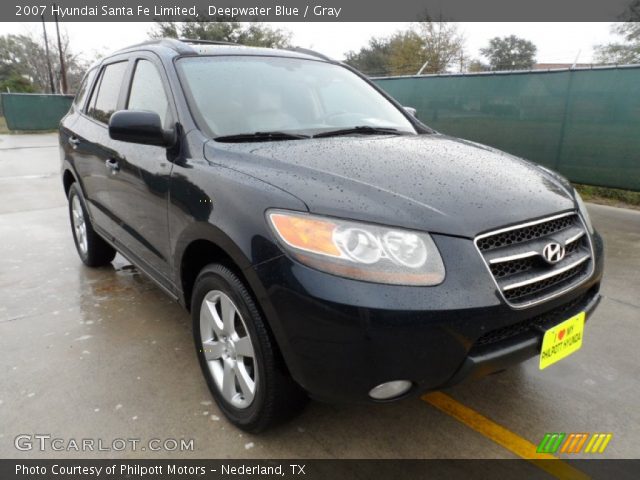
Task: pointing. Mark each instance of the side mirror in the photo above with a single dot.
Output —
(138, 126)
(411, 111)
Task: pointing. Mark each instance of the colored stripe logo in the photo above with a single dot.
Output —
(598, 443)
(574, 443)
(550, 443)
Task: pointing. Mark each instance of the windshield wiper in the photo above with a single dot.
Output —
(364, 129)
(260, 137)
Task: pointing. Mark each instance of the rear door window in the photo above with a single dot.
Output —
(104, 100)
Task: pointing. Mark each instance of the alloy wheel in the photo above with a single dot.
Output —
(228, 349)
(79, 225)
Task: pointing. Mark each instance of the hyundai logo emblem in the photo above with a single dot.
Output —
(553, 252)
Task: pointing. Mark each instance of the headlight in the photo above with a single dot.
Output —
(582, 208)
(359, 250)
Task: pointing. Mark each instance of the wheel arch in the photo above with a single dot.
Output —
(68, 179)
(203, 244)
(211, 245)
(198, 254)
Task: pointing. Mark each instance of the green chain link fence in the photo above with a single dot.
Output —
(584, 123)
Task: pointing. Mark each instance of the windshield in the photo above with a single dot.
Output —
(233, 95)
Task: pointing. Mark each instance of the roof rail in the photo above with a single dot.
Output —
(196, 41)
(219, 42)
(308, 51)
(183, 46)
(172, 43)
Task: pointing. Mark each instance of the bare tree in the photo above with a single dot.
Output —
(23, 57)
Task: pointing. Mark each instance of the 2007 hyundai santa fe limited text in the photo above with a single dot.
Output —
(326, 242)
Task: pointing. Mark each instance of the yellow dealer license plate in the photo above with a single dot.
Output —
(562, 340)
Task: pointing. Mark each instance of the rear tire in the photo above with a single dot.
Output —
(237, 354)
(92, 249)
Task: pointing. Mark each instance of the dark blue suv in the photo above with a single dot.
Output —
(325, 241)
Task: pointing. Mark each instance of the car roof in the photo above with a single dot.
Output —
(189, 47)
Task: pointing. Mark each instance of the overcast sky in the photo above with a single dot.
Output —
(557, 42)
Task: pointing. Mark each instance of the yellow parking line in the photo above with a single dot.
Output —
(503, 437)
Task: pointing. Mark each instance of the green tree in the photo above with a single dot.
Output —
(15, 83)
(406, 53)
(253, 34)
(510, 53)
(373, 59)
(476, 66)
(435, 45)
(624, 52)
(443, 45)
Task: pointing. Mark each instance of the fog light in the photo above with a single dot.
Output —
(388, 390)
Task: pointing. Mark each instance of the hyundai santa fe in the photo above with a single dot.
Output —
(326, 242)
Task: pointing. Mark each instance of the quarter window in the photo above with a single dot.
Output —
(147, 92)
(105, 96)
(81, 96)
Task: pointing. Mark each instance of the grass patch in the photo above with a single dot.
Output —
(3, 126)
(5, 130)
(609, 196)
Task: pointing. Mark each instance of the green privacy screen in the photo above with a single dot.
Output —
(30, 111)
(582, 123)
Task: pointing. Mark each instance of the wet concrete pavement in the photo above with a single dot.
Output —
(104, 354)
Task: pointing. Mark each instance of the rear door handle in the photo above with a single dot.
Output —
(74, 141)
(112, 165)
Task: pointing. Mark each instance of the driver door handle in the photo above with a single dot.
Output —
(112, 164)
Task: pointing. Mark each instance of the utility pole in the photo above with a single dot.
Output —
(63, 67)
(46, 50)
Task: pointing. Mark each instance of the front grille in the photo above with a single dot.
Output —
(539, 323)
(515, 258)
(505, 269)
(542, 285)
(531, 232)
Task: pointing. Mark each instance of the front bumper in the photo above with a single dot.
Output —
(340, 337)
(494, 357)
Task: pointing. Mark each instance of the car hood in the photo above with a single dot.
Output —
(429, 182)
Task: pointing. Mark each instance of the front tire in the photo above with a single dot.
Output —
(93, 250)
(237, 354)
